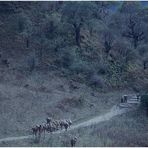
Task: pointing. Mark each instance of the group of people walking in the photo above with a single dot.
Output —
(51, 125)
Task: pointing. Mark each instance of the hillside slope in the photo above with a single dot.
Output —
(45, 95)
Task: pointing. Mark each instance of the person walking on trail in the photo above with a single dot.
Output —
(125, 98)
(73, 141)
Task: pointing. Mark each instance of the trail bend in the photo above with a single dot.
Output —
(115, 110)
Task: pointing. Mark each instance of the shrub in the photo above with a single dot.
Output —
(96, 81)
(31, 63)
(80, 66)
(65, 57)
(144, 102)
(142, 49)
(69, 102)
(102, 68)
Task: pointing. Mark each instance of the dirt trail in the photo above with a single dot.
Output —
(112, 113)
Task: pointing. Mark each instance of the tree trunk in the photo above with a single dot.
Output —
(40, 54)
(135, 43)
(27, 43)
(77, 31)
(107, 47)
(77, 34)
(144, 65)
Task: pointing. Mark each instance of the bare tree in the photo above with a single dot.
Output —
(77, 14)
(134, 30)
(104, 9)
(108, 41)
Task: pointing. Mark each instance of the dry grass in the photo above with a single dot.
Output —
(126, 130)
(48, 95)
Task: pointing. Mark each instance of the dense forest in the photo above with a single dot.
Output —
(103, 44)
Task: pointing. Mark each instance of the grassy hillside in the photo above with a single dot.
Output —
(126, 130)
(72, 60)
(49, 95)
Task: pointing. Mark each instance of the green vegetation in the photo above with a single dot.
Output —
(87, 40)
(73, 60)
(144, 102)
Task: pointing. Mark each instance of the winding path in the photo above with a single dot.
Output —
(115, 110)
